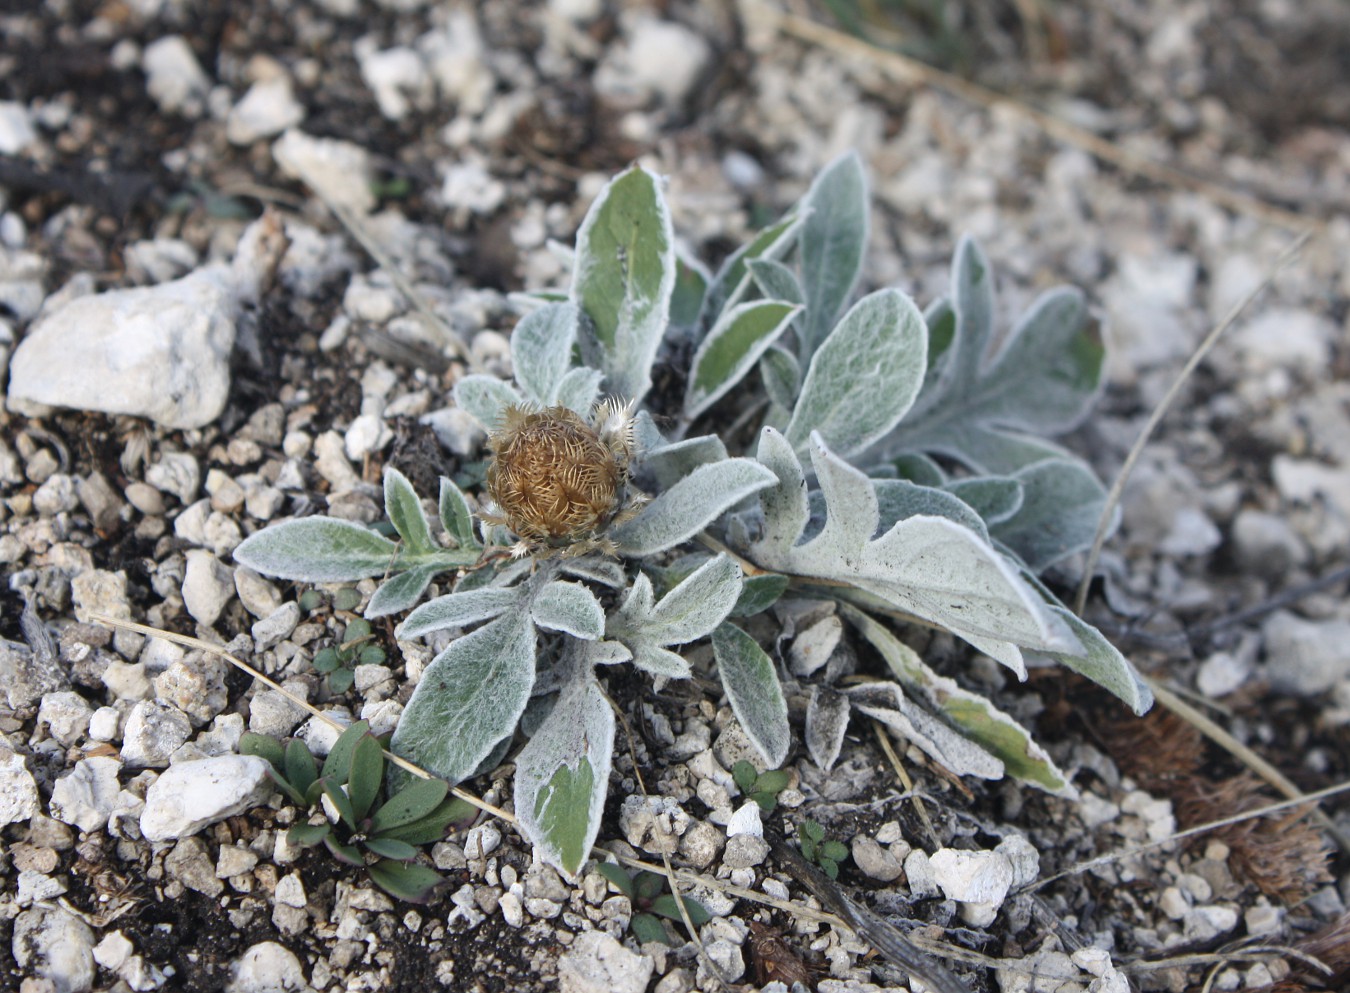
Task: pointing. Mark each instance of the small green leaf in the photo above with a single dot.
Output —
(404, 511)
(616, 875)
(265, 747)
(341, 680)
(300, 767)
(782, 377)
(834, 850)
(767, 801)
(326, 659)
(371, 655)
(391, 848)
(455, 515)
(343, 853)
(433, 827)
(829, 866)
(317, 550)
(776, 281)
(744, 775)
(341, 802)
(666, 906)
(691, 285)
(646, 927)
(772, 781)
(357, 630)
(367, 773)
(310, 601)
(570, 608)
(307, 835)
(412, 883)
(346, 599)
(459, 609)
(338, 764)
(413, 802)
(752, 686)
(648, 884)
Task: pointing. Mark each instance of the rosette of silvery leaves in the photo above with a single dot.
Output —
(900, 470)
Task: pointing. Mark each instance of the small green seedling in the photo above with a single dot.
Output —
(826, 853)
(762, 787)
(644, 891)
(339, 662)
(356, 828)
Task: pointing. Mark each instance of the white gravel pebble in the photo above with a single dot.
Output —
(276, 626)
(341, 170)
(18, 790)
(267, 967)
(268, 108)
(597, 963)
(54, 945)
(208, 585)
(177, 473)
(1306, 658)
(16, 128)
(189, 796)
(153, 732)
(66, 715)
(87, 796)
(174, 78)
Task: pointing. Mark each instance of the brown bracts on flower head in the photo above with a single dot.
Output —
(558, 481)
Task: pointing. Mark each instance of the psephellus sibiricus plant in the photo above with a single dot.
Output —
(892, 461)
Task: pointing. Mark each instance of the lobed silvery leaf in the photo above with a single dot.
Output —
(776, 281)
(486, 398)
(886, 703)
(930, 567)
(569, 608)
(832, 240)
(785, 503)
(1058, 515)
(317, 550)
(968, 713)
(995, 498)
(669, 463)
(782, 377)
(753, 689)
(865, 375)
(689, 611)
(731, 349)
(1101, 662)
(898, 499)
(979, 408)
(759, 593)
(404, 510)
(401, 592)
(541, 350)
(733, 279)
(827, 715)
(579, 389)
(455, 515)
(624, 279)
(606, 652)
(456, 610)
(691, 505)
(469, 698)
(918, 468)
(562, 776)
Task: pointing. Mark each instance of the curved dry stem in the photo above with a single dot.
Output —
(1211, 339)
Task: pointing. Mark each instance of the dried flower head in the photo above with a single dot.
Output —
(557, 480)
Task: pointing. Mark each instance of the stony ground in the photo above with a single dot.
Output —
(140, 139)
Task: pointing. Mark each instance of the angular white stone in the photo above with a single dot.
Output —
(597, 963)
(174, 77)
(88, 795)
(192, 795)
(267, 967)
(338, 169)
(267, 109)
(18, 790)
(55, 945)
(972, 877)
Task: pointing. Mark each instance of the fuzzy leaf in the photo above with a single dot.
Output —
(752, 687)
(456, 517)
(865, 375)
(660, 661)
(776, 281)
(624, 279)
(1101, 662)
(691, 505)
(562, 776)
(570, 608)
(1058, 515)
(485, 398)
(731, 348)
(469, 698)
(412, 883)
(317, 550)
(669, 463)
(759, 593)
(691, 287)
(541, 350)
(415, 801)
(606, 572)
(970, 714)
(733, 280)
(688, 612)
(404, 511)
(927, 566)
(979, 409)
(995, 498)
(457, 610)
(786, 505)
(885, 702)
(399, 593)
(833, 239)
(579, 389)
(367, 773)
(898, 499)
(782, 377)
(827, 716)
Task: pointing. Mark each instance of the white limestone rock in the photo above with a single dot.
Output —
(190, 796)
